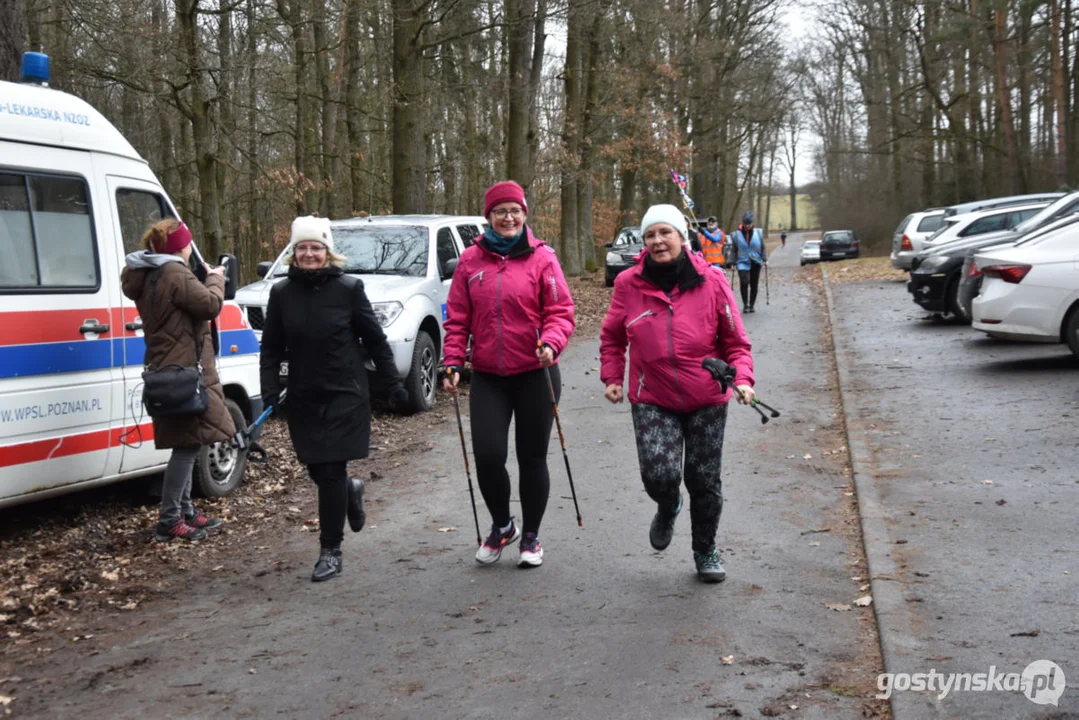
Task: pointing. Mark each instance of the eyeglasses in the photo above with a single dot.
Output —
(311, 249)
(503, 214)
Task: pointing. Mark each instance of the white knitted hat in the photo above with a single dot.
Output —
(309, 227)
(668, 214)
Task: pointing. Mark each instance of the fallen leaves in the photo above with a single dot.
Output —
(838, 607)
(727, 660)
(864, 601)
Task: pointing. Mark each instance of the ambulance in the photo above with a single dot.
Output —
(75, 197)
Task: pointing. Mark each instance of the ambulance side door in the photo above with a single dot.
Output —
(136, 205)
(58, 286)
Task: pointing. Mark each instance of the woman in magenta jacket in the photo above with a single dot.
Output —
(508, 291)
(673, 311)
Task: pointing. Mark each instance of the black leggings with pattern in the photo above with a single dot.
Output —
(664, 438)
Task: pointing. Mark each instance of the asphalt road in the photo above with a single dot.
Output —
(971, 452)
(606, 628)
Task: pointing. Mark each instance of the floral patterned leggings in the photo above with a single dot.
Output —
(663, 438)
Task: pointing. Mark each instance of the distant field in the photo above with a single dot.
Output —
(780, 212)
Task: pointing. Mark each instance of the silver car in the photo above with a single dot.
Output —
(406, 263)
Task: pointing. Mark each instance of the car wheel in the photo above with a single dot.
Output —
(423, 375)
(608, 279)
(951, 300)
(1071, 331)
(219, 468)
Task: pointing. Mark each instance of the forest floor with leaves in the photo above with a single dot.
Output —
(65, 559)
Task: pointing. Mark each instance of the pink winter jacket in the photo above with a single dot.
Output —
(502, 302)
(669, 337)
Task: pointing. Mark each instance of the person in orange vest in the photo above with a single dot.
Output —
(712, 239)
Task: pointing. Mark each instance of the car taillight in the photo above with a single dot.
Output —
(905, 244)
(973, 271)
(1007, 273)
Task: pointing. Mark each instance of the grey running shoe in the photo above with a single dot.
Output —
(709, 568)
(662, 529)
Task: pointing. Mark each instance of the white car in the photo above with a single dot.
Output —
(912, 231)
(980, 222)
(406, 263)
(1030, 292)
(810, 252)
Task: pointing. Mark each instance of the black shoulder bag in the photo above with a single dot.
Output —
(174, 390)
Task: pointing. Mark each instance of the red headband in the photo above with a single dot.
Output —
(176, 240)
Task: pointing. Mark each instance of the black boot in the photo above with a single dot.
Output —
(328, 565)
(356, 515)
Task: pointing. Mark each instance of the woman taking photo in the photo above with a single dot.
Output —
(673, 311)
(175, 309)
(508, 293)
(315, 320)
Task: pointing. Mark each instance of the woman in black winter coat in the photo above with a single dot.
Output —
(315, 320)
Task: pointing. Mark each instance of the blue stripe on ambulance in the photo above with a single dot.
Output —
(85, 355)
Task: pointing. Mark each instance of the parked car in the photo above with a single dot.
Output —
(970, 282)
(406, 263)
(810, 252)
(975, 223)
(911, 233)
(622, 252)
(836, 244)
(1001, 202)
(935, 272)
(1030, 292)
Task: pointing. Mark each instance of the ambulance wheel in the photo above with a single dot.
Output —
(220, 467)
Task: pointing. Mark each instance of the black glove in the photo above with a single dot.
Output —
(398, 397)
(271, 400)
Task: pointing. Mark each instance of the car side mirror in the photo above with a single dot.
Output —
(449, 267)
(263, 268)
(232, 274)
(610, 244)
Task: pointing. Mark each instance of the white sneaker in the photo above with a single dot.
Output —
(531, 552)
(491, 549)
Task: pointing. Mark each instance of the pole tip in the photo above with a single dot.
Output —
(580, 522)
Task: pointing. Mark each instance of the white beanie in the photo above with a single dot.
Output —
(309, 227)
(668, 214)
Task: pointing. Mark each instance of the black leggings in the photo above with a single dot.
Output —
(748, 280)
(331, 479)
(495, 399)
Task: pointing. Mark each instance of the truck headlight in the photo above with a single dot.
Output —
(387, 312)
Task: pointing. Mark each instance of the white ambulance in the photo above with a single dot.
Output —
(75, 197)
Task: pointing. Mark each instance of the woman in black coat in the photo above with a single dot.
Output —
(314, 322)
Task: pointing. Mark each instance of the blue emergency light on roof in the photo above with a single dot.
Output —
(35, 68)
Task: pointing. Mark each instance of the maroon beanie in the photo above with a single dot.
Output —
(176, 240)
(506, 191)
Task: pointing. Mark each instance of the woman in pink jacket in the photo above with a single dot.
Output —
(508, 291)
(673, 311)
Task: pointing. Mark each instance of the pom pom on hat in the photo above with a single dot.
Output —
(667, 214)
(506, 191)
(309, 227)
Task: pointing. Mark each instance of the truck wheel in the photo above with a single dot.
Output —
(422, 378)
(220, 467)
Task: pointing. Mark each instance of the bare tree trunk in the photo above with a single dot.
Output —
(290, 13)
(535, 85)
(254, 229)
(326, 85)
(1061, 156)
(1005, 102)
(409, 155)
(12, 35)
(585, 186)
(226, 131)
(627, 203)
(187, 12)
(568, 244)
(353, 111)
(519, 16)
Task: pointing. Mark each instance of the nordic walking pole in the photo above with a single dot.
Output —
(468, 470)
(767, 297)
(561, 437)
